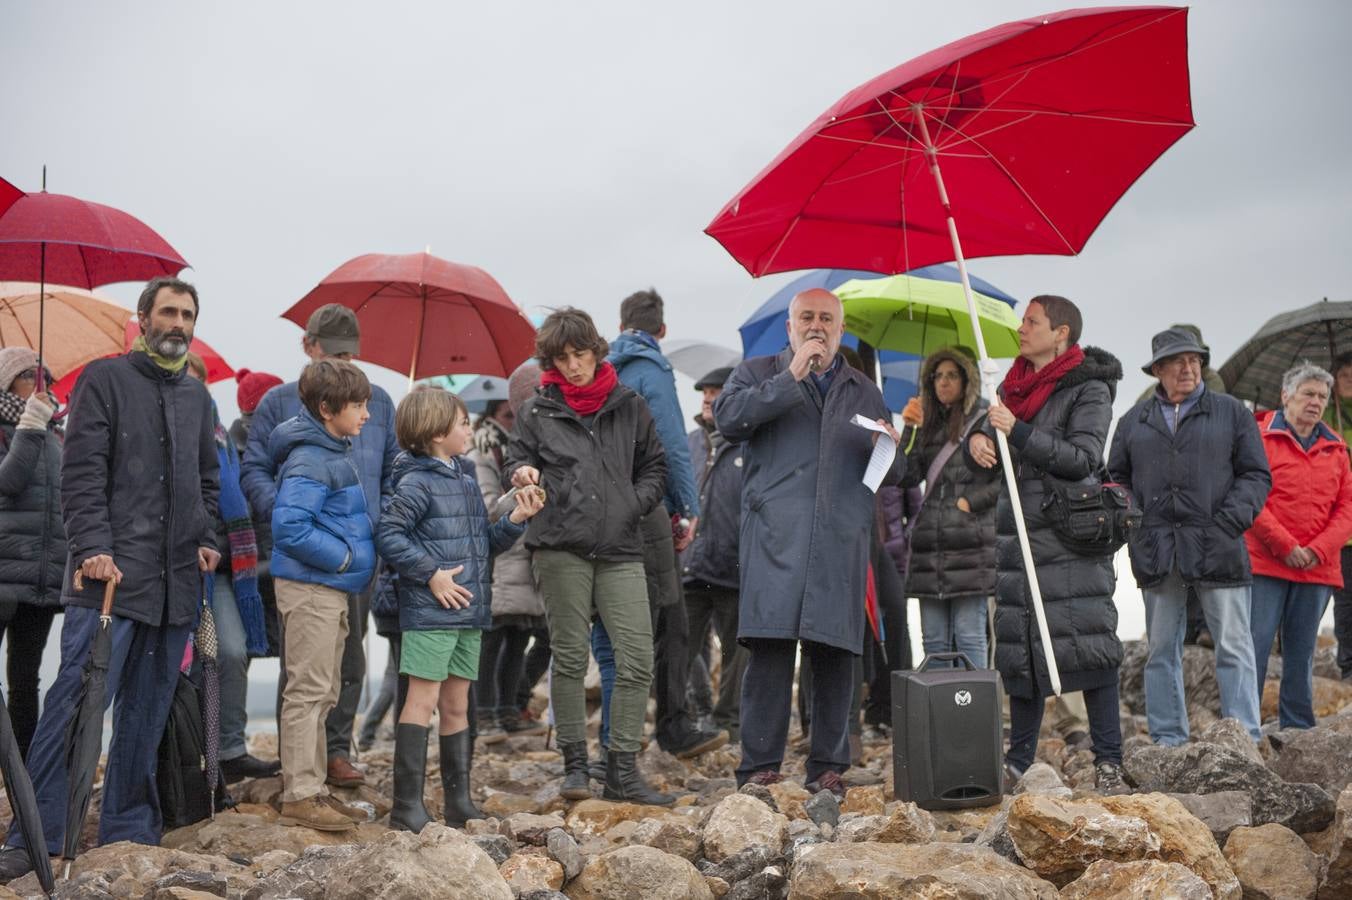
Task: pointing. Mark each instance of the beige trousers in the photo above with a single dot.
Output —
(314, 629)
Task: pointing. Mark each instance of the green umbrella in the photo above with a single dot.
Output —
(920, 315)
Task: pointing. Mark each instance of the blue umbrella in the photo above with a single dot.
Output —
(484, 389)
(763, 333)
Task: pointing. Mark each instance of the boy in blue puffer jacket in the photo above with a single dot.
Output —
(434, 529)
(323, 550)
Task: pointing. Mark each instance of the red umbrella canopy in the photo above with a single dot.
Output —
(217, 368)
(8, 194)
(1040, 126)
(84, 244)
(426, 316)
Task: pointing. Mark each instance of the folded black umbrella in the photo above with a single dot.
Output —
(84, 735)
(207, 648)
(23, 801)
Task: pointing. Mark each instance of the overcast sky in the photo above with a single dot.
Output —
(577, 150)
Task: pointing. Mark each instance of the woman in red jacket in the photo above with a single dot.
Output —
(1295, 541)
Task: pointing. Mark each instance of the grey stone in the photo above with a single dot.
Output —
(1042, 779)
(996, 837)
(543, 895)
(823, 808)
(761, 793)
(564, 851)
(1222, 812)
(1317, 755)
(205, 882)
(496, 846)
(744, 864)
(1231, 735)
(303, 879)
(767, 884)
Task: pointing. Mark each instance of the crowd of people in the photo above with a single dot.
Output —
(580, 519)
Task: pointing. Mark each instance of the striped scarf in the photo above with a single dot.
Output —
(234, 511)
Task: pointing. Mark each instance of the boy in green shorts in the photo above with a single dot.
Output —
(434, 531)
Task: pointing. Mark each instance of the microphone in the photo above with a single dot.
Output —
(815, 363)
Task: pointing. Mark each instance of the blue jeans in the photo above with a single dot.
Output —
(604, 652)
(232, 662)
(142, 675)
(957, 625)
(1297, 609)
(1227, 615)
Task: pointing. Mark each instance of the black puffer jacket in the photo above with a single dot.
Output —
(1066, 441)
(600, 476)
(1200, 489)
(32, 539)
(952, 552)
(711, 557)
(140, 480)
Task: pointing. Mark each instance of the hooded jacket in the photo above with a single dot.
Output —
(1310, 504)
(1199, 487)
(514, 590)
(952, 552)
(712, 555)
(321, 533)
(436, 519)
(1065, 440)
(140, 480)
(32, 538)
(644, 370)
(601, 476)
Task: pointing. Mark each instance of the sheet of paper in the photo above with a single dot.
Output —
(884, 452)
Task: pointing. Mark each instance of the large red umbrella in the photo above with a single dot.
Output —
(1039, 126)
(426, 316)
(8, 194)
(53, 238)
(217, 368)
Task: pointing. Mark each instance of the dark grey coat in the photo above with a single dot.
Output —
(711, 557)
(140, 479)
(1066, 440)
(1199, 489)
(32, 539)
(806, 514)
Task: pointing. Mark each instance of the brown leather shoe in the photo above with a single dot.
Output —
(313, 812)
(343, 774)
(351, 812)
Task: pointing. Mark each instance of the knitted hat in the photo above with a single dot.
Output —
(521, 386)
(14, 360)
(252, 387)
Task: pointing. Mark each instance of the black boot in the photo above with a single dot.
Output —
(456, 752)
(575, 784)
(623, 782)
(597, 768)
(410, 768)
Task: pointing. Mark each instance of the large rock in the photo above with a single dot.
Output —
(738, 822)
(501, 804)
(854, 828)
(1231, 735)
(631, 873)
(1183, 838)
(236, 834)
(907, 824)
(1042, 779)
(1207, 768)
(670, 834)
(1321, 756)
(885, 871)
(1143, 879)
(529, 828)
(1222, 812)
(1058, 839)
(1338, 874)
(526, 872)
(305, 877)
(791, 799)
(125, 869)
(436, 862)
(868, 800)
(564, 850)
(1273, 863)
(599, 816)
(741, 866)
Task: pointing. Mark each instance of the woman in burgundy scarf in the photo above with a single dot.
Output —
(591, 444)
(1057, 406)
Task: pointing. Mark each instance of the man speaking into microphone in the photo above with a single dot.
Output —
(806, 520)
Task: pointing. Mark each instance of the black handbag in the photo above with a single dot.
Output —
(1092, 517)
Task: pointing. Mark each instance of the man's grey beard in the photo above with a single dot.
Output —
(167, 345)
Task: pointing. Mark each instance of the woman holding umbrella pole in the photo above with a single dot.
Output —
(1056, 406)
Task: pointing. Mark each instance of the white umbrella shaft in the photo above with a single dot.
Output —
(988, 389)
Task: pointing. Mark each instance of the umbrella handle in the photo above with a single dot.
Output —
(109, 590)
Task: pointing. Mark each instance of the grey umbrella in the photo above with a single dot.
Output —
(698, 358)
(479, 392)
(1317, 333)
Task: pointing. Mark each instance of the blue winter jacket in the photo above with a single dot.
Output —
(645, 371)
(436, 519)
(373, 451)
(321, 532)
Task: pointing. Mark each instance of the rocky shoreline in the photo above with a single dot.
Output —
(1219, 817)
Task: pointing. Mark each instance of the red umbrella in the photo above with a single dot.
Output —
(426, 316)
(1041, 124)
(64, 240)
(217, 368)
(8, 194)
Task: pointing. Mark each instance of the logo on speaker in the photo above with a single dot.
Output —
(963, 698)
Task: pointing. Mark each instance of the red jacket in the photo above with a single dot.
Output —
(1310, 505)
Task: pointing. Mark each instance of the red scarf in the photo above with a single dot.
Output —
(1025, 391)
(588, 398)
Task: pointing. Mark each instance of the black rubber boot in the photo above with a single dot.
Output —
(410, 769)
(597, 767)
(457, 751)
(623, 782)
(575, 784)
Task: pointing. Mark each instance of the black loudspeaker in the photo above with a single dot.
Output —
(946, 735)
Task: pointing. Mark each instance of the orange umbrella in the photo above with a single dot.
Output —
(90, 326)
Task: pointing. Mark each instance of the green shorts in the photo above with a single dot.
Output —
(433, 655)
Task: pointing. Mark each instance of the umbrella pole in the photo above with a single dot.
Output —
(988, 371)
(417, 340)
